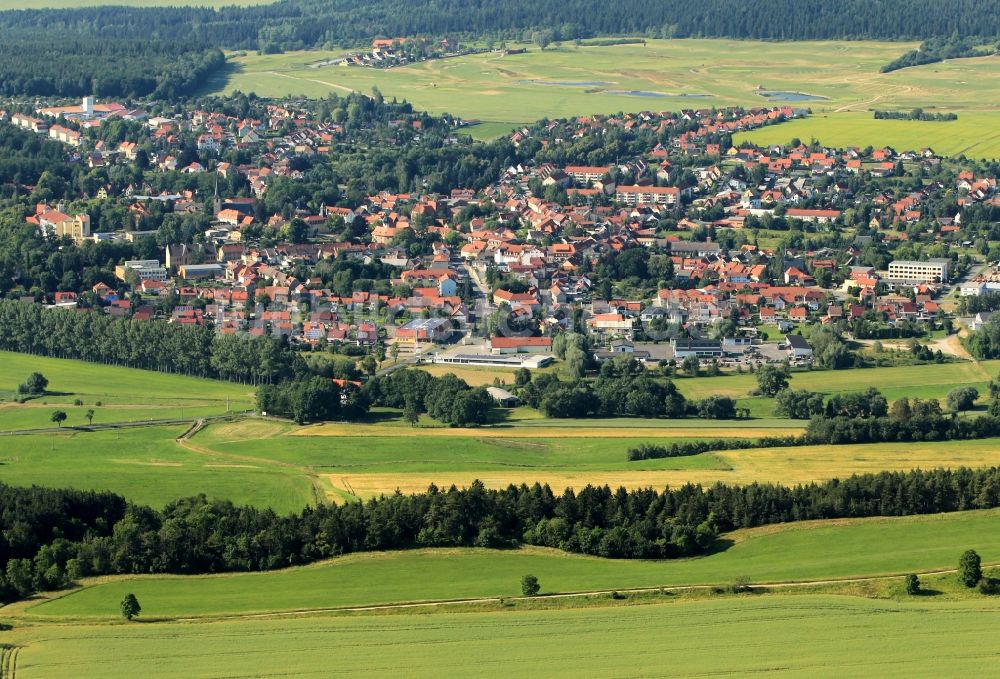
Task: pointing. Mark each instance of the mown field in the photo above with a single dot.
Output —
(148, 466)
(784, 635)
(838, 77)
(125, 394)
(807, 551)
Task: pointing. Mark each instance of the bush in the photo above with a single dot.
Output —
(530, 586)
(912, 584)
(989, 586)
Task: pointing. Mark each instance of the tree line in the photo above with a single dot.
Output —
(51, 537)
(940, 48)
(447, 399)
(165, 347)
(855, 418)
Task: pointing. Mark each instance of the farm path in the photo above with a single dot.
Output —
(321, 494)
(335, 86)
(782, 585)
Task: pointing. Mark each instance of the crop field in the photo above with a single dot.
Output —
(148, 466)
(832, 78)
(786, 635)
(125, 394)
(368, 459)
(975, 135)
(806, 551)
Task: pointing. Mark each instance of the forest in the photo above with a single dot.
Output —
(50, 537)
(84, 65)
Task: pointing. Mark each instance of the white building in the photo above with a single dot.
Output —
(931, 271)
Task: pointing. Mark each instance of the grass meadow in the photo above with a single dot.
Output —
(805, 551)
(125, 394)
(783, 635)
(148, 466)
(842, 78)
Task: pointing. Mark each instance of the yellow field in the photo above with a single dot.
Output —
(788, 466)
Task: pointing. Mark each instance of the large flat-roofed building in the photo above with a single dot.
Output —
(700, 348)
(145, 269)
(637, 195)
(931, 271)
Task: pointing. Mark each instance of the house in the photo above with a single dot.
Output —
(798, 347)
(58, 224)
(424, 330)
(816, 216)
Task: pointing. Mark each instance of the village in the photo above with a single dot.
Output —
(676, 252)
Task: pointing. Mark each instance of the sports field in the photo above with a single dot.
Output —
(829, 77)
(806, 551)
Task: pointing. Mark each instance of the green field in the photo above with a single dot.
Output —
(146, 465)
(785, 635)
(974, 134)
(672, 74)
(125, 394)
(804, 551)
(274, 464)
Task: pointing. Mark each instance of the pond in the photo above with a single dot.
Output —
(790, 96)
(565, 83)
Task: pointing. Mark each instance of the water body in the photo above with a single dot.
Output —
(566, 83)
(790, 96)
(646, 93)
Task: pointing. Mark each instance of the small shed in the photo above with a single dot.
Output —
(503, 397)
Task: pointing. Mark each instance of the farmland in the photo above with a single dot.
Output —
(973, 134)
(785, 634)
(801, 551)
(840, 80)
(148, 466)
(274, 464)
